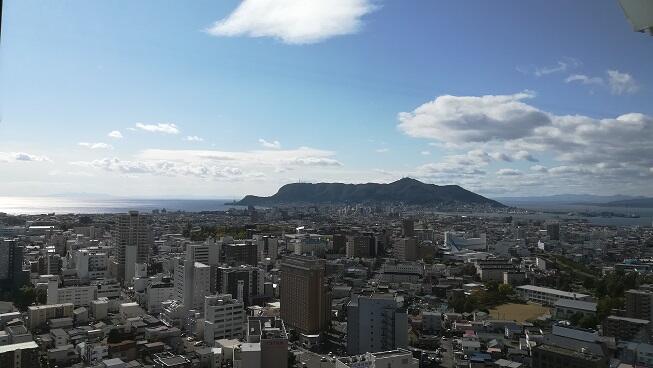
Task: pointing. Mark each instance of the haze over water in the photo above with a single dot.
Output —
(59, 205)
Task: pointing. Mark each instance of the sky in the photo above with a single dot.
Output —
(227, 98)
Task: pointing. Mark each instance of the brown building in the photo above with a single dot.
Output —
(638, 303)
(551, 356)
(305, 302)
(405, 249)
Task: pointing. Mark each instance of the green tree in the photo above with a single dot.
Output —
(24, 297)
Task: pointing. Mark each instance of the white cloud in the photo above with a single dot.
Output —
(268, 144)
(525, 155)
(382, 150)
(465, 119)
(194, 138)
(617, 82)
(561, 66)
(115, 134)
(425, 153)
(293, 21)
(509, 172)
(166, 128)
(22, 157)
(621, 83)
(303, 156)
(584, 79)
(539, 168)
(589, 152)
(97, 145)
(168, 168)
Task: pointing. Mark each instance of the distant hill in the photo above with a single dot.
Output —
(406, 190)
(634, 203)
(568, 199)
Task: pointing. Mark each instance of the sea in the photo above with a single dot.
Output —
(65, 205)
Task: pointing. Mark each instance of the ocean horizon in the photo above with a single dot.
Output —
(34, 205)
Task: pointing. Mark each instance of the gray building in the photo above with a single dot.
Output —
(376, 322)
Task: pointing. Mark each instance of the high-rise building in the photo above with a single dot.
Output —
(192, 283)
(224, 318)
(361, 246)
(12, 275)
(408, 228)
(553, 231)
(376, 322)
(134, 242)
(241, 254)
(228, 278)
(405, 249)
(267, 247)
(305, 302)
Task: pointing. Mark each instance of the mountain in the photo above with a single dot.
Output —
(406, 190)
(634, 203)
(568, 199)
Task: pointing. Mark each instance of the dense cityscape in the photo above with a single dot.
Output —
(323, 286)
(326, 184)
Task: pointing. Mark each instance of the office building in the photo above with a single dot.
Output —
(405, 249)
(250, 278)
(12, 275)
(305, 302)
(224, 318)
(376, 322)
(192, 283)
(553, 231)
(408, 228)
(241, 254)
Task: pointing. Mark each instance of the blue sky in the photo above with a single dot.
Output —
(504, 98)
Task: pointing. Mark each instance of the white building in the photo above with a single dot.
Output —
(224, 318)
(39, 315)
(158, 292)
(91, 263)
(77, 295)
(548, 296)
(192, 283)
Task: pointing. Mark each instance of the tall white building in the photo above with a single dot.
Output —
(224, 318)
(192, 283)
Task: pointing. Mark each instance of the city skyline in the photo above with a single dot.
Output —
(228, 99)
